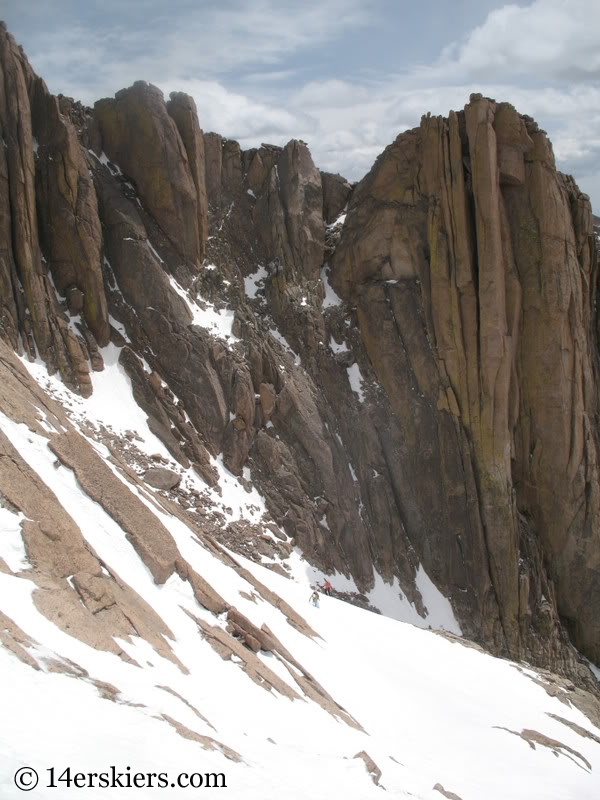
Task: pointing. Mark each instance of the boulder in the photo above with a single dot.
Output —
(162, 478)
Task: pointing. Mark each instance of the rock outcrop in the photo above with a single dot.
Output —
(289, 215)
(182, 109)
(336, 193)
(70, 231)
(138, 134)
(30, 313)
(436, 414)
(471, 262)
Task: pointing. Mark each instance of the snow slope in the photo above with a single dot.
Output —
(433, 711)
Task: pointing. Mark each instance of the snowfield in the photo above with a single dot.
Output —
(430, 710)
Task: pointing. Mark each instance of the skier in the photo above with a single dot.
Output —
(327, 588)
(314, 599)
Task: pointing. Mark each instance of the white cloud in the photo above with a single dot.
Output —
(250, 67)
(550, 38)
(205, 41)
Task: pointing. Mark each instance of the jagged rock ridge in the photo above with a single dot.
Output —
(444, 415)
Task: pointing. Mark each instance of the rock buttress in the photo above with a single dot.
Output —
(138, 134)
(472, 266)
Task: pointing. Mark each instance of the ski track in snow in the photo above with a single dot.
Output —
(432, 709)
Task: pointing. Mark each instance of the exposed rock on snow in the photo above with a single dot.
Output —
(417, 419)
(371, 766)
(162, 478)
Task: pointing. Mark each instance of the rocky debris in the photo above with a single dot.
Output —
(138, 134)
(255, 542)
(371, 766)
(162, 478)
(79, 594)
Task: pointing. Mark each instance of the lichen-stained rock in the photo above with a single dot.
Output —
(289, 215)
(182, 109)
(70, 231)
(472, 266)
(139, 135)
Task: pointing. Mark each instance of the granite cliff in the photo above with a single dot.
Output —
(410, 372)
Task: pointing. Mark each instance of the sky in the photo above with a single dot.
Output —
(346, 76)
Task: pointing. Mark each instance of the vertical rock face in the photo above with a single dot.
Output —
(70, 229)
(28, 302)
(336, 193)
(445, 416)
(213, 149)
(182, 109)
(289, 215)
(19, 188)
(138, 134)
(473, 269)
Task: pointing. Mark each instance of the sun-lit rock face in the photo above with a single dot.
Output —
(162, 150)
(472, 266)
(403, 371)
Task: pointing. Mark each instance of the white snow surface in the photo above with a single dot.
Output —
(356, 381)
(433, 710)
(331, 298)
(218, 323)
(12, 549)
(103, 159)
(279, 337)
(254, 282)
(338, 348)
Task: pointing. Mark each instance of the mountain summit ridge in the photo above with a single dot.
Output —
(406, 368)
